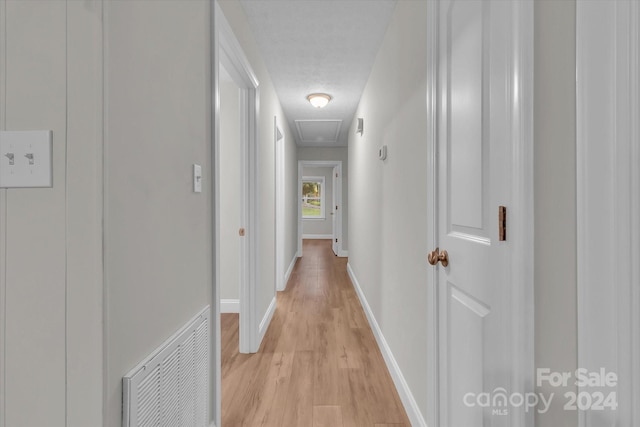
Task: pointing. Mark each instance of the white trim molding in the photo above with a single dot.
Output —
(229, 306)
(287, 275)
(608, 201)
(409, 402)
(266, 320)
(433, 388)
(317, 236)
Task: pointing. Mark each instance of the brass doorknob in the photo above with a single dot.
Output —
(435, 256)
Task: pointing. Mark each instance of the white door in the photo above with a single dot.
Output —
(334, 210)
(473, 178)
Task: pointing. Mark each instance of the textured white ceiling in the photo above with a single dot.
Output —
(319, 46)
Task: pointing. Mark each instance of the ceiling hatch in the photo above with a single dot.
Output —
(318, 132)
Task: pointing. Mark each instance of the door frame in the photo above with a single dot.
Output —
(608, 199)
(337, 230)
(279, 143)
(521, 231)
(229, 53)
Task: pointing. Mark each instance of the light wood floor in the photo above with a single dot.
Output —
(319, 364)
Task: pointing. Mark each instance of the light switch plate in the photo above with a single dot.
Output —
(26, 159)
(197, 178)
(382, 153)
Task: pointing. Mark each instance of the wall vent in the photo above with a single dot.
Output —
(171, 386)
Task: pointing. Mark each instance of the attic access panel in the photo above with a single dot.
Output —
(319, 132)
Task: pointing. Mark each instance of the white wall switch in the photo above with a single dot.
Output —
(26, 159)
(382, 152)
(197, 178)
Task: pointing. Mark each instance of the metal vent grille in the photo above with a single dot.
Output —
(171, 386)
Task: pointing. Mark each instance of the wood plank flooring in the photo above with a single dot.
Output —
(319, 364)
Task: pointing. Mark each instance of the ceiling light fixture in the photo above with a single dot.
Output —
(319, 100)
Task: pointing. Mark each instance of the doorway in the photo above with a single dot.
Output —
(320, 206)
(231, 64)
(280, 206)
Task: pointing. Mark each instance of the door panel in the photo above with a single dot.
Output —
(473, 153)
(465, 347)
(464, 90)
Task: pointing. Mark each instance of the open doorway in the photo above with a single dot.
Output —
(281, 276)
(320, 202)
(230, 192)
(236, 95)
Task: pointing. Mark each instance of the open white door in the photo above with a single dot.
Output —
(476, 290)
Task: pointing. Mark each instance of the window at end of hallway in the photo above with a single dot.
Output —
(313, 197)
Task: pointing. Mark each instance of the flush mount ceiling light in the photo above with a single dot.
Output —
(319, 100)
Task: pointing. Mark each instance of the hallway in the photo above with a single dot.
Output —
(319, 364)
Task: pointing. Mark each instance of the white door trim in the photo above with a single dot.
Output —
(337, 232)
(520, 230)
(229, 53)
(608, 200)
(279, 143)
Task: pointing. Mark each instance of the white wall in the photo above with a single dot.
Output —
(387, 251)
(555, 198)
(269, 107)
(158, 232)
(230, 189)
(322, 226)
(337, 154)
(388, 232)
(50, 239)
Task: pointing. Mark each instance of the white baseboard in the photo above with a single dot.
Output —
(343, 254)
(229, 306)
(287, 275)
(410, 405)
(266, 320)
(317, 236)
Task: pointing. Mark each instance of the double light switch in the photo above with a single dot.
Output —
(26, 159)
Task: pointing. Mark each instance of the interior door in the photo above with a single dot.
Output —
(473, 181)
(334, 211)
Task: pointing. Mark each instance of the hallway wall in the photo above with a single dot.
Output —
(387, 253)
(50, 238)
(388, 231)
(158, 244)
